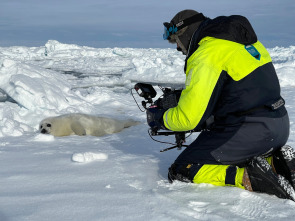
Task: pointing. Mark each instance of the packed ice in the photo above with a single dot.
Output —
(114, 176)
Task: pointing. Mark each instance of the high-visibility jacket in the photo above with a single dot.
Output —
(227, 77)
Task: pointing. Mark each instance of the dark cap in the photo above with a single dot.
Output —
(189, 21)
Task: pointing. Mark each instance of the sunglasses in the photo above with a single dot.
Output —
(169, 30)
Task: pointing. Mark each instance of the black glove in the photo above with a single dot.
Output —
(155, 117)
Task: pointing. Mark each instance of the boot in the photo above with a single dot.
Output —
(179, 172)
(284, 163)
(263, 179)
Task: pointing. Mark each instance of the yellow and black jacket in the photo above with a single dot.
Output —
(229, 74)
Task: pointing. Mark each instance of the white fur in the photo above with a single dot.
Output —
(82, 124)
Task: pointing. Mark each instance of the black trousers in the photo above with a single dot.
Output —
(237, 144)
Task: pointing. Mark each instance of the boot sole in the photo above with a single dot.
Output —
(289, 156)
(263, 179)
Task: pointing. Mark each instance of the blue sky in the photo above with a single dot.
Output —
(131, 23)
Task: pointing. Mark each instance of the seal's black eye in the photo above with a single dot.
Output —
(48, 125)
(41, 127)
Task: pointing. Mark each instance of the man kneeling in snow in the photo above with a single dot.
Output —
(230, 76)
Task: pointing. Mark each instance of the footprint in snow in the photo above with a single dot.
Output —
(252, 206)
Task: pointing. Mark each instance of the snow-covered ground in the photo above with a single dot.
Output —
(116, 177)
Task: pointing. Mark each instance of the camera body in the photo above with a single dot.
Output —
(168, 100)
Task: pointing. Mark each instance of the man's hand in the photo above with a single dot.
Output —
(155, 117)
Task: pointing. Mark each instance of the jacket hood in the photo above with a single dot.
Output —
(234, 28)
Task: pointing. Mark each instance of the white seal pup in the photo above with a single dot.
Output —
(82, 124)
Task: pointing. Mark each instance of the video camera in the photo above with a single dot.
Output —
(169, 99)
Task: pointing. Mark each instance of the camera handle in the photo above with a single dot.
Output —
(179, 139)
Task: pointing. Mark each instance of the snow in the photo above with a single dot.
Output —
(88, 157)
(121, 176)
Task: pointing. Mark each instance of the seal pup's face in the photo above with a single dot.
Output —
(45, 128)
